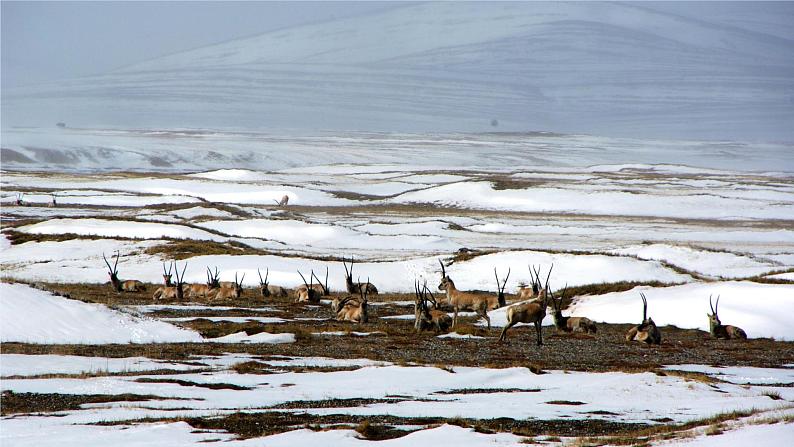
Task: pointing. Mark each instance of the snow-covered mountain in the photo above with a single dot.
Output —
(636, 69)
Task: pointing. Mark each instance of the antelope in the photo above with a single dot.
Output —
(526, 292)
(52, 203)
(571, 324)
(166, 282)
(718, 330)
(174, 291)
(207, 290)
(231, 292)
(269, 290)
(307, 294)
(354, 287)
(323, 288)
(463, 300)
(425, 318)
(20, 200)
(354, 313)
(130, 285)
(283, 202)
(646, 331)
(318, 288)
(529, 312)
(501, 287)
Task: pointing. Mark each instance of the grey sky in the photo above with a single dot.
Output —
(45, 41)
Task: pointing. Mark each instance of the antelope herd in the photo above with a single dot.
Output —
(430, 313)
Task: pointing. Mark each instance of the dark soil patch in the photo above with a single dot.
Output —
(16, 403)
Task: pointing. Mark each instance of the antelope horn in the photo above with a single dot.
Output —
(443, 270)
(242, 278)
(303, 278)
(717, 305)
(110, 269)
(261, 283)
(711, 305)
(549, 276)
(116, 264)
(504, 284)
(644, 306)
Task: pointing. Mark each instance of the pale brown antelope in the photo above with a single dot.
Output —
(166, 282)
(426, 318)
(571, 324)
(354, 313)
(176, 290)
(307, 293)
(646, 331)
(500, 288)
(268, 290)
(532, 291)
(236, 291)
(205, 291)
(353, 287)
(718, 330)
(283, 202)
(53, 203)
(529, 312)
(459, 300)
(300, 291)
(130, 285)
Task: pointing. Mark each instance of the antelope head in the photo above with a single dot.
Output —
(445, 280)
(167, 275)
(714, 319)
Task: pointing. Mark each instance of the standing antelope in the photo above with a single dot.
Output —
(130, 285)
(52, 203)
(20, 200)
(354, 313)
(463, 300)
(500, 287)
(529, 312)
(571, 324)
(283, 202)
(354, 287)
(307, 293)
(426, 318)
(718, 330)
(235, 291)
(268, 290)
(646, 331)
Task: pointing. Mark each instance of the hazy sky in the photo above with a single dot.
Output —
(44, 41)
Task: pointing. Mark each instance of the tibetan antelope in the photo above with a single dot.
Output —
(529, 312)
(463, 300)
(500, 287)
(205, 291)
(235, 291)
(528, 292)
(571, 324)
(307, 293)
(20, 200)
(267, 289)
(283, 202)
(176, 290)
(718, 330)
(426, 318)
(354, 313)
(130, 285)
(646, 331)
(53, 203)
(166, 282)
(353, 287)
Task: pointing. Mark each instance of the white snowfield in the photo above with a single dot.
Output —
(119, 228)
(29, 315)
(762, 310)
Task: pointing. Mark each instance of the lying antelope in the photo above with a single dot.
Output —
(176, 290)
(426, 318)
(571, 324)
(268, 290)
(166, 282)
(205, 291)
(718, 330)
(464, 300)
(354, 287)
(355, 313)
(130, 285)
(323, 288)
(307, 293)
(526, 292)
(529, 312)
(646, 331)
(236, 291)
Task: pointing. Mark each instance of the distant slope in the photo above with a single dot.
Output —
(649, 70)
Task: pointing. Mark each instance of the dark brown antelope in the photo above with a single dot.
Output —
(130, 285)
(570, 324)
(20, 200)
(236, 291)
(718, 330)
(646, 331)
(180, 282)
(353, 287)
(426, 318)
(529, 312)
(354, 313)
(463, 300)
(307, 293)
(500, 288)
